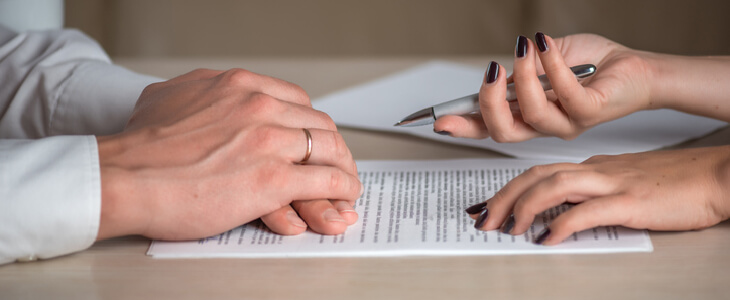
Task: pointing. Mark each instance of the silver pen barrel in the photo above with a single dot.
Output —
(469, 104)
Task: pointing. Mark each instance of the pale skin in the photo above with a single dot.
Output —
(661, 190)
(210, 150)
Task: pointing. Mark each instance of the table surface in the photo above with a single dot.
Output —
(683, 265)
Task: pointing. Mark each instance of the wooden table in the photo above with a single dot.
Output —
(684, 265)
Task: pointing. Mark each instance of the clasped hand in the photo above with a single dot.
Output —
(210, 150)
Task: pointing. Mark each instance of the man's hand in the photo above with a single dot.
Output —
(210, 150)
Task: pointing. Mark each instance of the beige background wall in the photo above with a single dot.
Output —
(156, 28)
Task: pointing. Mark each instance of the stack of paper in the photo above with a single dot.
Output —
(414, 208)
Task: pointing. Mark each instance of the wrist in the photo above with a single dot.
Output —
(723, 180)
(120, 213)
(664, 79)
(694, 85)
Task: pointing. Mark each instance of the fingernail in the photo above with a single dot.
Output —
(442, 132)
(476, 208)
(492, 72)
(540, 40)
(362, 189)
(343, 206)
(481, 219)
(331, 215)
(542, 236)
(521, 48)
(294, 219)
(507, 226)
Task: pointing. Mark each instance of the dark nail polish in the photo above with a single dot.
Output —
(507, 226)
(481, 219)
(442, 132)
(542, 236)
(476, 208)
(521, 48)
(541, 43)
(492, 72)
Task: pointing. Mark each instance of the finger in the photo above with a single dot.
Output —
(275, 87)
(541, 114)
(496, 112)
(285, 221)
(310, 182)
(325, 216)
(465, 126)
(566, 87)
(346, 210)
(302, 116)
(328, 149)
(267, 108)
(603, 211)
(501, 204)
(571, 186)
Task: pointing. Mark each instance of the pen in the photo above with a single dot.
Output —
(470, 104)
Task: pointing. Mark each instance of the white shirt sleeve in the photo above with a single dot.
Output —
(58, 89)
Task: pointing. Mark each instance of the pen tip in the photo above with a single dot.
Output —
(396, 124)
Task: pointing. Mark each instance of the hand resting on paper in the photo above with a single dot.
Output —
(210, 150)
(659, 190)
(663, 190)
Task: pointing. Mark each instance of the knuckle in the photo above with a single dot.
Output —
(503, 137)
(567, 223)
(522, 74)
(335, 181)
(582, 122)
(533, 117)
(522, 209)
(329, 124)
(201, 71)
(237, 76)
(299, 91)
(262, 104)
(499, 196)
(339, 181)
(340, 148)
(499, 137)
(562, 178)
(568, 136)
(539, 170)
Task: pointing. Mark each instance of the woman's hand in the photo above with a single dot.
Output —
(661, 190)
(210, 150)
(620, 86)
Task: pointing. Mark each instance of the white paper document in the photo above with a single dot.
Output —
(380, 104)
(414, 208)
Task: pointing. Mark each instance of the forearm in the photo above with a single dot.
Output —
(121, 214)
(695, 85)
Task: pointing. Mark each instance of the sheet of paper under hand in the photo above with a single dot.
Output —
(414, 208)
(379, 104)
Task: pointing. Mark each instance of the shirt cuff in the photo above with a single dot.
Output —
(50, 196)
